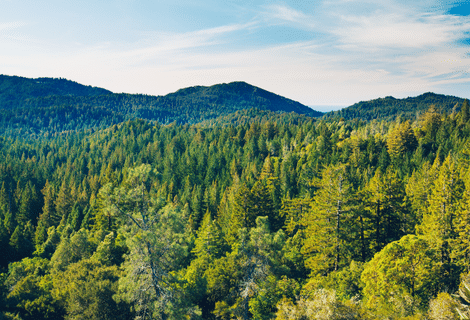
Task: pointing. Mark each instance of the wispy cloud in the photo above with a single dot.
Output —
(399, 31)
(277, 13)
(283, 12)
(162, 43)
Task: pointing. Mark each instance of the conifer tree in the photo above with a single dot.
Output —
(328, 222)
(63, 202)
(21, 241)
(401, 139)
(461, 246)
(418, 188)
(431, 123)
(440, 221)
(28, 209)
(4, 202)
(240, 214)
(464, 113)
(440, 218)
(383, 198)
(48, 217)
(156, 245)
(209, 242)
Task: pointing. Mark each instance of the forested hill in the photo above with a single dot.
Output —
(15, 91)
(44, 105)
(241, 95)
(389, 108)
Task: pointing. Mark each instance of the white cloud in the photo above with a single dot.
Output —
(161, 44)
(278, 13)
(399, 31)
(283, 12)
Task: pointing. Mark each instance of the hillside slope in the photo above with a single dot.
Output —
(55, 105)
(389, 108)
(15, 91)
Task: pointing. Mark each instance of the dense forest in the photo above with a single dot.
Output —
(254, 214)
(31, 107)
(389, 107)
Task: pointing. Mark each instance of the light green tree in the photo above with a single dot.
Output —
(402, 277)
(156, 242)
(326, 225)
(440, 222)
(257, 252)
(86, 289)
(443, 307)
(382, 199)
(401, 139)
(321, 305)
(29, 286)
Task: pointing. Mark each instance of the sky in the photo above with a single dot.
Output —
(326, 54)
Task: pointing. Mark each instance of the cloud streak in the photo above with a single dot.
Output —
(284, 14)
(398, 31)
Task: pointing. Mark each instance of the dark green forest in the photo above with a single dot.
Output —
(31, 107)
(252, 214)
(389, 108)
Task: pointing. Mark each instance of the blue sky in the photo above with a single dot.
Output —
(320, 53)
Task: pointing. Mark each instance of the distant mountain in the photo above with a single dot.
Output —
(14, 91)
(389, 108)
(55, 105)
(241, 95)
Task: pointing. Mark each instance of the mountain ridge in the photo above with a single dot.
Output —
(14, 89)
(389, 107)
(36, 105)
(49, 105)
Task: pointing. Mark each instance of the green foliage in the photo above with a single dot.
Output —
(402, 277)
(443, 307)
(385, 217)
(347, 282)
(156, 244)
(322, 304)
(328, 223)
(32, 106)
(29, 286)
(241, 216)
(389, 107)
(86, 288)
(401, 139)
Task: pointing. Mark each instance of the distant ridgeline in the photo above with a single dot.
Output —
(31, 106)
(389, 108)
(17, 92)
